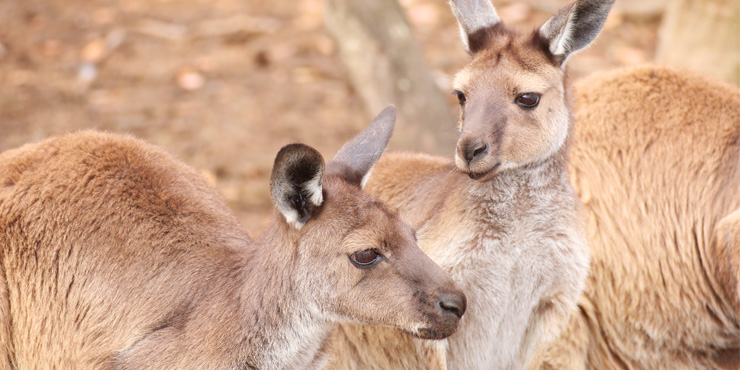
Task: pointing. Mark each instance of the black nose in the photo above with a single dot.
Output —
(452, 303)
(472, 151)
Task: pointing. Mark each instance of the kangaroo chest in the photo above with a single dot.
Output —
(506, 260)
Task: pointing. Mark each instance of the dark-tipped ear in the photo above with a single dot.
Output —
(575, 26)
(473, 17)
(357, 157)
(295, 183)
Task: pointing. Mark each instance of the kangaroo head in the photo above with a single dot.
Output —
(356, 260)
(513, 94)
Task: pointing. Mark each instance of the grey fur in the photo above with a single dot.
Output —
(575, 26)
(356, 158)
(473, 15)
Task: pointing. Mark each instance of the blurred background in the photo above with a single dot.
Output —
(223, 84)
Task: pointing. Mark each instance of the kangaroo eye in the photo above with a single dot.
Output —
(528, 100)
(460, 96)
(365, 258)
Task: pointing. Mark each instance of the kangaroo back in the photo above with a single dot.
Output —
(115, 255)
(656, 162)
(69, 246)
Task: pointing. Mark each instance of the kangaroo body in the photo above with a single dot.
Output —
(502, 218)
(86, 217)
(480, 234)
(115, 255)
(656, 162)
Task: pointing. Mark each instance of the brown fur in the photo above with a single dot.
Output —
(512, 237)
(117, 255)
(512, 240)
(521, 65)
(656, 162)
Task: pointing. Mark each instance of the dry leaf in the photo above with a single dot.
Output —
(94, 51)
(190, 80)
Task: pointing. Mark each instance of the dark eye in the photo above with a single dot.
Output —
(460, 96)
(365, 258)
(528, 100)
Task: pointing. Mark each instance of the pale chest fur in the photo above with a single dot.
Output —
(297, 345)
(511, 253)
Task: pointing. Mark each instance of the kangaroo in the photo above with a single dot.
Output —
(115, 255)
(656, 162)
(503, 220)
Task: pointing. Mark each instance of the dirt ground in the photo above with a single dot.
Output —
(223, 84)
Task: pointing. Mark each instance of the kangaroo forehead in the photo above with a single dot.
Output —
(529, 51)
(511, 69)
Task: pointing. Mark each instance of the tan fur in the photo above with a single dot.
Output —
(352, 340)
(115, 255)
(656, 162)
(520, 68)
(512, 239)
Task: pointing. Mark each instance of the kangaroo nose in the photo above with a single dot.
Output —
(473, 151)
(452, 303)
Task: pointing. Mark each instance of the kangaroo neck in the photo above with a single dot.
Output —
(284, 330)
(525, 181)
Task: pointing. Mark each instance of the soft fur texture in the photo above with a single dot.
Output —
(503, 219)
(115, 255)
(656, 162)
(481, 233)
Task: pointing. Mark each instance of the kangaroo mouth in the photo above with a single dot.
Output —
(427, 333)
(437, 330)
(480, 175)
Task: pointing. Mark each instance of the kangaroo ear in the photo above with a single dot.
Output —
(357, 157)
(295, 183)
(474, 17)
(575, 26)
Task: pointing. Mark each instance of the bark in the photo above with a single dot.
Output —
(385, 65)
(703, 35)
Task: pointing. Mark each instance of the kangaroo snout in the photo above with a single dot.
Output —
(471, 151)
(445, 318)
(441, 303)
(452, 304)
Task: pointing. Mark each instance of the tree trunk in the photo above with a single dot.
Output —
(385, 65)
(703, 35)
